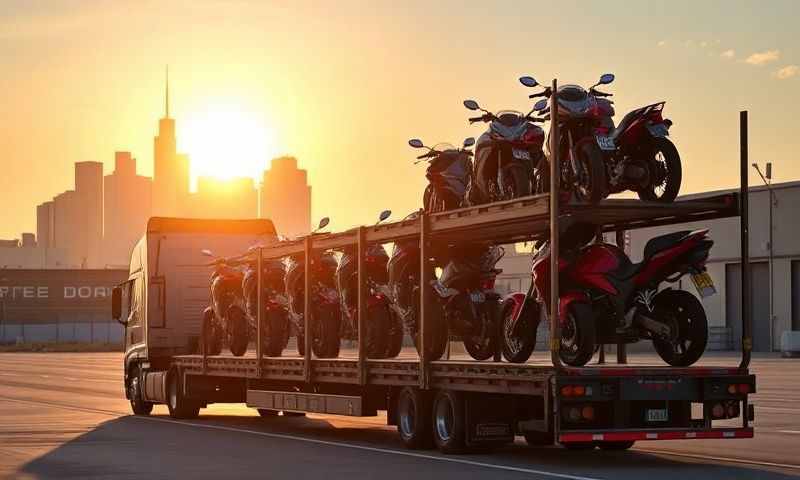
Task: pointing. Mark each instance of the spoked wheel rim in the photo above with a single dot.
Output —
(569, 335)
(659, 174)
(445, 419)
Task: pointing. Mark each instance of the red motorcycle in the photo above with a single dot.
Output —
(225, 318)
(635, 155)
(605, 299)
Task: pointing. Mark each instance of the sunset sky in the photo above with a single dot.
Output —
(343, 85)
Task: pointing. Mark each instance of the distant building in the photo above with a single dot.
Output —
(89, 190)
(127, 208)
(44, 224)
(234, 198)
(170, 170)
(286, 197)
(67, 233)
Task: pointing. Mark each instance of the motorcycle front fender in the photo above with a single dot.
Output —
(566, 300)
(523, 306)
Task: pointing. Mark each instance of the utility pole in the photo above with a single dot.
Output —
(766, 177)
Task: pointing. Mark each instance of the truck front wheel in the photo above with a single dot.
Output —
(179, 406)
(138, 405)
(414, 419)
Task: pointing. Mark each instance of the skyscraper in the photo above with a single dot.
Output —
(44, 224)
(286, 197)
(127, 208)
(170, 170)
(89, 191)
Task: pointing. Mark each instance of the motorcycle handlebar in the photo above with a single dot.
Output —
(540, 94)
(476, 119)
(597, 93)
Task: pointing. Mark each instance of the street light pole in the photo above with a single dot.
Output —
(767, 179)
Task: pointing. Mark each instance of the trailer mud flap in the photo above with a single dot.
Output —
(489, 420)
(352, 406)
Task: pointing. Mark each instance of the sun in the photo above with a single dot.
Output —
(226, 140)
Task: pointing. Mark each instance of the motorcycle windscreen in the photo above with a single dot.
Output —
(451, 170)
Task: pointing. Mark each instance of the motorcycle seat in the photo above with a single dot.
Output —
(664, 242)
(625, 123)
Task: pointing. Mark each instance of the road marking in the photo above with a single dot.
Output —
(282, 436)
(794, 432)
(719, 459)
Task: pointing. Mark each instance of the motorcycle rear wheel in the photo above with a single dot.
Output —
(517, 348)
(688, 315)
(592, 189)
(211, 336)
(663, 156)
(577, 335)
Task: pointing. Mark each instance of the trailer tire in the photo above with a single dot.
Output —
(414, 419)
(138, 405)
(267, 413)
(621, 445)
(179, 406)
(449, 422)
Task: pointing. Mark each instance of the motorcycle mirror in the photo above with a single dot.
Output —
(416, 143)
(384, 215)
(528, 81)
(540, 105)
(606, 78)
(472, 105)
(206, 252)
(469, 141)
(323, 223)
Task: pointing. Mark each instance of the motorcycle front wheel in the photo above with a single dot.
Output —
(683, 312)
(590, 185)
(577, 335)
(274, 332)
(481, 343)
(237, 331)
(326, 327)
(437, 334)
(516, 183)
(211, 336)
(665, 172)
(517, 348)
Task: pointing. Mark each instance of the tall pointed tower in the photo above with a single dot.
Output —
(170, 170)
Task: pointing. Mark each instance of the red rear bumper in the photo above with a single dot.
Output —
(654, 435)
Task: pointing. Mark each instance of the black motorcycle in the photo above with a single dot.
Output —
(449, 174)
(507, 155)
(471, 304)
(325, 312)
(384, 330)
(275, 321)
(225, 318)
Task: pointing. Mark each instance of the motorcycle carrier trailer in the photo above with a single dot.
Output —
(463, 404)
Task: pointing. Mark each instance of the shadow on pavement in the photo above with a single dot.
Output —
(214, 446)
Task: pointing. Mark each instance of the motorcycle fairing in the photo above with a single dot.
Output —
(450, 172)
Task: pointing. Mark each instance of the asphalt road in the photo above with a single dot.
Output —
(64, 415)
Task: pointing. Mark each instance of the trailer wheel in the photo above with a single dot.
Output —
(449, 422)
(622, 445)
(179, 406)
(414, 420)
(578, 445)
(138, 405)
(294, 414)
(266, 413)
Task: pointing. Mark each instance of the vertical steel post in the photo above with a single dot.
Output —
(361, 248)
(424, 299)
(259, 310)
(622, 347)
(308, 333)
(744, 231)
(555, 327)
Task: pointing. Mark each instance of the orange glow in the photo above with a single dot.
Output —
(225, 139)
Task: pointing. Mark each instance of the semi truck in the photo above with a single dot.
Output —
(454, 405)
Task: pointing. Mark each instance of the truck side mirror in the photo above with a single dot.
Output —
(116, 305)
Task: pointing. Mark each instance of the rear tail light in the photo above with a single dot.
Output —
(725, 410)
(744, 388)
(580, 413)
(717, 411)
(576, 391)
(738, 389)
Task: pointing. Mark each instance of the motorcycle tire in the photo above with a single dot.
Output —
(378, 321)
(326, 325)
(237, 329)
(211, 336)
(394, 338)
(482, 344)
(664, 159)
(517, 348)
(274, 335)
(577, 335)
(516, 182)
(591, 159)
(437, 335)
(686, 313)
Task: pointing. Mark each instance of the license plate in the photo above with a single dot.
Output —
(477, 297)
(605, 143)
(657, 415)
(704, 284)
(520, 154)
(658, 130)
